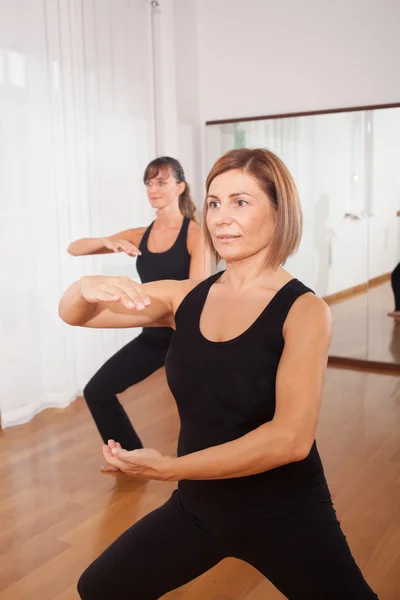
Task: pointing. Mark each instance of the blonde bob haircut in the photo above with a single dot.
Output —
(275, 180)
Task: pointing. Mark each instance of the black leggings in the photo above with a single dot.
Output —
(396, 287)
(303, 553)
(133, 363)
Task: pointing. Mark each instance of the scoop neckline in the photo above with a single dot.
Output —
(169, 249)
(250, 328)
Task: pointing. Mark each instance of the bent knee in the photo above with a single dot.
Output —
(87, 588)
(96, 390)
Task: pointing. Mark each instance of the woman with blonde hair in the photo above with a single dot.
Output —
(246, 366)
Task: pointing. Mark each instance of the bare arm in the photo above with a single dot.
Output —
(86, 246)
(290, 435)
(199, 256)
(119, 302)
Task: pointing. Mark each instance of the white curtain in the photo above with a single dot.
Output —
(76, 133)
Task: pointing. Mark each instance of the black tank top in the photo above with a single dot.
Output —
(172, 264)
(224, 390)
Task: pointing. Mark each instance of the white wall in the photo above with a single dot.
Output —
(187, 87)
(261, 57)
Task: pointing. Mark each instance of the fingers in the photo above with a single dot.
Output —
(132, 296)
(104, 296)
(112, 457)
(110, 245)
(115, 289)
(128, 456)
(123, 290)
(108, 469)
(113, 444)
(113, 460)
(129, 248)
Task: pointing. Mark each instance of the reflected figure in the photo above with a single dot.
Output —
(394, 345)
(395, 281)
(323, 236)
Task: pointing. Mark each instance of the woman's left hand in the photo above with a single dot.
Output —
(145, 462)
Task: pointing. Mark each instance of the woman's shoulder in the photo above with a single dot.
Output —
(133, 235)
(308, 313)
(194, 229)
(182, 291)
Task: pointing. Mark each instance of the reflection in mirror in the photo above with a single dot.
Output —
(384, 238)
(345, 165)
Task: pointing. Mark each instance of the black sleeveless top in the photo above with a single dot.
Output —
(224, 390)
(172, 264)
(155, 266)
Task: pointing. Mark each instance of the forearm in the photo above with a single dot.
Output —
(73, 308)
(87, 246)
(263, 449)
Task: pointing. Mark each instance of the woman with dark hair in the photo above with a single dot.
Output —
(246, 366)
(172, 247)
(395, 281)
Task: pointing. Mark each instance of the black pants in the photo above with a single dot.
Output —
(133, 363)
(396, 287)
(303, 553)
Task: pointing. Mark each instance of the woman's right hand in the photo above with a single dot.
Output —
(99, 288)
(121, 246)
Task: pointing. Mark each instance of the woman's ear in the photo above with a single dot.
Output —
(181, 187)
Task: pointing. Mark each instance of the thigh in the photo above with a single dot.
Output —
(306, 556)
(163, 551)
(133, 363)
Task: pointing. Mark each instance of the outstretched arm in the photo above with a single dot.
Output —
(118, 302)
(127, 241)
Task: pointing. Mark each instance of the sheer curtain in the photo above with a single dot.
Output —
(76, 131)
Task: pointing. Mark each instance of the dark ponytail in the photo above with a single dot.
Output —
(186, 204)
(165, 164)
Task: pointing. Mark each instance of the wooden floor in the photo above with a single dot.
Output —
(58, 512)
(362, 329)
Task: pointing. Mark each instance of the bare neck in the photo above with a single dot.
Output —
(251, 271)
(168, 217)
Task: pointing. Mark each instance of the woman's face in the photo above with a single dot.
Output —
(240, 216)
(163, 190)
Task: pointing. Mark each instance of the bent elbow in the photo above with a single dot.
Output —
(300, 451)
(68, 318)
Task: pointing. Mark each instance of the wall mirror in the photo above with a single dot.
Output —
(346, 164)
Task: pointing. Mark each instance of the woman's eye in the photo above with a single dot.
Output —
(242, 203)
(213, 204)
